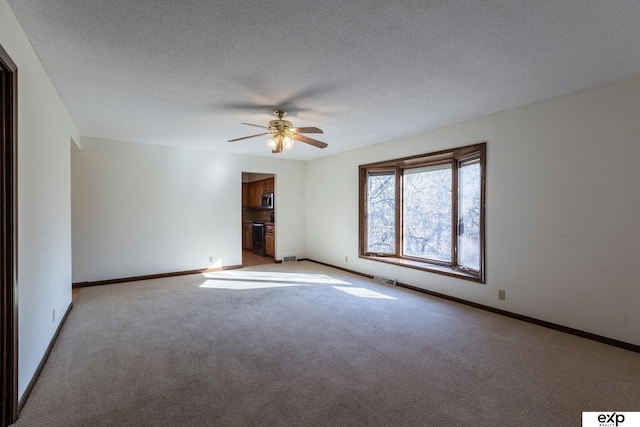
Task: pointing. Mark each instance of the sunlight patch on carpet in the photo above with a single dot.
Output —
(242, 284)
(239, 280)
(274, 276)
(363, 292)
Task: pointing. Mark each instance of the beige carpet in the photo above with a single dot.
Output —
(301, 344)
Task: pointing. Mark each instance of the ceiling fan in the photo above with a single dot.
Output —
(283, 134)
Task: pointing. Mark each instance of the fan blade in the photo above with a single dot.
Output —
(310, 141)
(247, 137)
(307, 130)
(258, 126)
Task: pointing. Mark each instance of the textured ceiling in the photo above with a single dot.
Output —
(189, 72)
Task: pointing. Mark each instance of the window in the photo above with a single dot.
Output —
(426, 212)
(381, 204)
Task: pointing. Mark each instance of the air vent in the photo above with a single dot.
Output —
(291, 258)
(385, 280)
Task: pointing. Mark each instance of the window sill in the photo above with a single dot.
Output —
(431, 268)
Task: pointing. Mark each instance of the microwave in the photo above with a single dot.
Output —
(267, 200)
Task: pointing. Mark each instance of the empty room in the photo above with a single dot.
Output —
(419, 213)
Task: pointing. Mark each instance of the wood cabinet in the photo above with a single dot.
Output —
(256, 194)
(252, 192)
(245, 195)
(247, 235)
(269, 239)
(268, 185)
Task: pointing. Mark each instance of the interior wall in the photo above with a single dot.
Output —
(44, 201)
(562, 205)
(142, 209)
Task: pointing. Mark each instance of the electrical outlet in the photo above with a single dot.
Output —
(53, 315)
(346, 258)
(501, 294)
(210, 259)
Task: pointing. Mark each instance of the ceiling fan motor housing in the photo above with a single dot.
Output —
(279, 124)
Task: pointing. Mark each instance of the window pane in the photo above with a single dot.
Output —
(381, 212)
(427, 212)
(469, 214)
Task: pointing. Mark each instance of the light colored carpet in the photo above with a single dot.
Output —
(302, 344)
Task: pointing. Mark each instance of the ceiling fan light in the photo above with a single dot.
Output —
(272, 143)
(287, 143)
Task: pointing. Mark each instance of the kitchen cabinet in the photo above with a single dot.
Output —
(268, 186)
(250, 195)
(247, 236)
(255, 194)
(245, 195)
(254, 190)
(257, 191)
(269, 239)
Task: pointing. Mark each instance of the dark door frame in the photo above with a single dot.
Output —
(8, 239)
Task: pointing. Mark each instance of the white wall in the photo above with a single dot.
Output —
(562, 206)
(143, 209)
(45, 130)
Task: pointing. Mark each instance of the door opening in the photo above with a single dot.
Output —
(258, 218)
(8, 240)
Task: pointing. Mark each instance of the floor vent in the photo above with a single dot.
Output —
(385, 280)
(292, 258)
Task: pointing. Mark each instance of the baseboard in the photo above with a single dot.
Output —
(38, 371)
(152, 276)
(599, 338)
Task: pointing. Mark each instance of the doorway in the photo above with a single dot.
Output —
(8, 239)
(258, 219)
